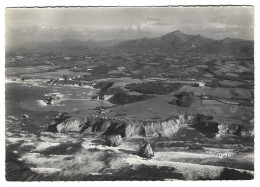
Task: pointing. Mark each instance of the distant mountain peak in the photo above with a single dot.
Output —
(179, 41)
(177, 31)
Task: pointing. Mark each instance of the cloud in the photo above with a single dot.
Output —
(126, 23)
(221, 25)
(134, 28)
(147, 25)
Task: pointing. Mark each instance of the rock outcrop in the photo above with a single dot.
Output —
(205, 125)
(146, 151)
(70, 125)
(25, 116)
(25, 78)
(226, 130)
(125, 127)
(56, 120)
(52, 98)
(113, 140)
(53, 81)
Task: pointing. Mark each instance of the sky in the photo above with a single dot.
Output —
(112, 23)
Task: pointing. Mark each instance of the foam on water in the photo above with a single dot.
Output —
(28, 144)
(41, 160)
(12, 117)
(50, 138)
(9, 133)
(10, 80)
(56, 93)
(44, 145)
(88, 145)
(95, 173)
(41, 103)
(14, 140)
(45, 170)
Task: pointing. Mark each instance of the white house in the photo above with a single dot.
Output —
(201, 84)
(67, 58)
(122, 68)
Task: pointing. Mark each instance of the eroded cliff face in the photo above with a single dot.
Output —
(226, 130)
(125, 127)
(148, 128)
(120, 146)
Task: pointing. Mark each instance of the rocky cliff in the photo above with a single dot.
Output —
(128, 128)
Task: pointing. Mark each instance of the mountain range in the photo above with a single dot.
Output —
(179, 41)
(176, 41)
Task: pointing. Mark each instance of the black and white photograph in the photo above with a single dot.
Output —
(151, 93)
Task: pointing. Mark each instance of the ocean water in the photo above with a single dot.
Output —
(31, 152)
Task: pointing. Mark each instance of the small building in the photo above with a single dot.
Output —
(122, 68)
(201, 84)
(205, 97)
(67, 58)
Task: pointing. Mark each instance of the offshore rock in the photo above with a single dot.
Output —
(56, 120)
(146, 151)
(70, 125)
(52, 98)
(113, 140)
(227, 129)
(25, 116)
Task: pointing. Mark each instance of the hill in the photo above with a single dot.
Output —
(178, 41)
